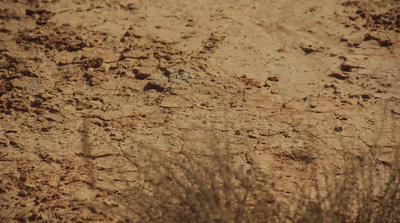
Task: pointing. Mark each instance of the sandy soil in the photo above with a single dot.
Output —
(287, 84)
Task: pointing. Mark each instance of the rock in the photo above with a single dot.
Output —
(30, 12)
(274, 91)
(367, 96)
(252, 136)
(301, 154)
(270, 199)
(339, 76)
(347, 68)
(396, 111)
(142, 72)
(250, 81)
(52, 183)
(92, 63)
(386, 159)
(338, 129)
(159, 84)
(63, 62)
(330, 86)
(171, 70)
(133, 6)
(382, 42)
(274, 79)
(309, 49)
(135, 54)
(22, 193)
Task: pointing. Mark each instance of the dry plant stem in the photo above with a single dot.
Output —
(196, 190)
(194, 187)
(354, 197)
(389, 203)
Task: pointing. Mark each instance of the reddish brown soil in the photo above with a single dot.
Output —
(287, 84)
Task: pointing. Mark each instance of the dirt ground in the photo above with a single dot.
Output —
(286, 83)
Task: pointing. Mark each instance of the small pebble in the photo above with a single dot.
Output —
(367, 96)
(338, 129)
(274, 79)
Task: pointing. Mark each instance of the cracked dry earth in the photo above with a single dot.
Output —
(286, 84)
